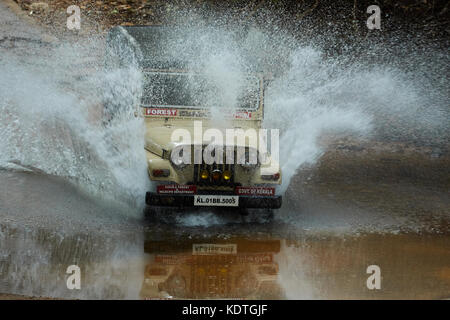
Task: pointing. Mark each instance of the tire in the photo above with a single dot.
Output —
(269, 214)
(243, 212)
(149, 213)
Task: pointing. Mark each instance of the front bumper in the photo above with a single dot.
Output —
(187, 200)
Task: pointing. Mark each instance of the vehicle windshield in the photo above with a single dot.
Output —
(188, 90)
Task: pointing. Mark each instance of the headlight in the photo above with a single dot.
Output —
(176, 158)
(178, 163)
(249, 159)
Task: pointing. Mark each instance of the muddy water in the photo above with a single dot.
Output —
(330, 229)
(48, 224)
(412, 267)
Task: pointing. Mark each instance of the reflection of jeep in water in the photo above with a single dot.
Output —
(189, 164)
(236, 268)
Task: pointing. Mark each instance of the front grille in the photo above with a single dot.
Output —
(198, 168)
(211, 277)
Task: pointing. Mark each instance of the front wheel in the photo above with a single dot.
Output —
(243, 212)
(266, 214)
(149, 213)
(269, 214)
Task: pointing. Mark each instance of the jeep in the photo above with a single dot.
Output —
(200, 151)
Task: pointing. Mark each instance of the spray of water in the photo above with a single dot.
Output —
(50, 119)
(52, 122)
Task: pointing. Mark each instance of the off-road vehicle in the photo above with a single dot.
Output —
(177, 96)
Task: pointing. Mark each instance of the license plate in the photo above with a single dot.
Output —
(216, 200)
(213, 249)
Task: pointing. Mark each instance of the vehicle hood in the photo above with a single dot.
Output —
(158, 138)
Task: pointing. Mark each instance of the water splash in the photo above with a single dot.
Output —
(50, 118)
(52, 122)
